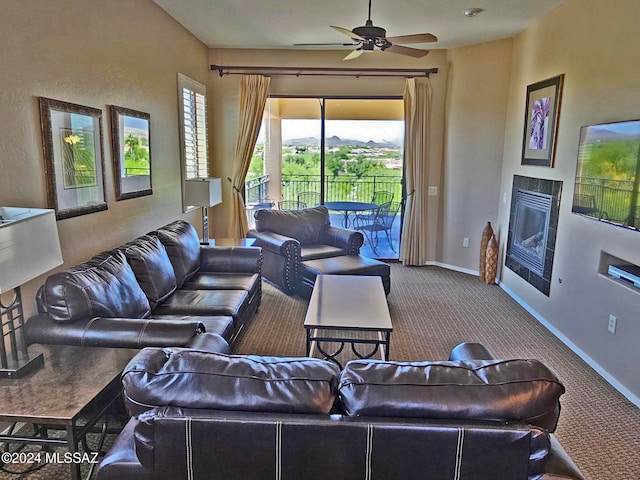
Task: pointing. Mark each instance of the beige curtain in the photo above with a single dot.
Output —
(417, 102)
(253, 97)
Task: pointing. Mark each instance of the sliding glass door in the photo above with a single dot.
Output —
(331, 151)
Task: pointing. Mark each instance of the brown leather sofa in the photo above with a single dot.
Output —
(160, 289)
(288, 237)
(217, 416)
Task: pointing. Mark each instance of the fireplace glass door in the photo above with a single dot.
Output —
(531, 229)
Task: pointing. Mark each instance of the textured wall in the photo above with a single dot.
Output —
(590, 42)
(475, 118)
(98, 53)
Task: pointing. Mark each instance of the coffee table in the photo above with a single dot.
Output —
(341, 308)
(73, 391)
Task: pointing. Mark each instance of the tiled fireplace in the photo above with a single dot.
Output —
(533, 223)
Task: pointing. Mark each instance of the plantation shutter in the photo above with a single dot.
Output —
(194, 128)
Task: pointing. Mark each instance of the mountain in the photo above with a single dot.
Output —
(336, 141)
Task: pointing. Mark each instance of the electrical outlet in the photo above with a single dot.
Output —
(613, 323)
(465, 242)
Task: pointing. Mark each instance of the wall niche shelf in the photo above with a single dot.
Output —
(606, 260)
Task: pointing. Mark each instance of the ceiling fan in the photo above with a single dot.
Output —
(368, 37)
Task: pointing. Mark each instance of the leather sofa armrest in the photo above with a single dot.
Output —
(560, 466)
(112, 332)
(230, 259)
(274, 242)
(209, 342)
(348, 240)
(139, 332)
(470, 351)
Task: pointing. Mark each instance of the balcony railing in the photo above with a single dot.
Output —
(341, 188)
(612, 197)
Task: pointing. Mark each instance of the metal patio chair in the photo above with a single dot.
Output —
(381, 221)
(311, 199)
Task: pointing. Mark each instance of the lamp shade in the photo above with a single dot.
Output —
(29, 245)
(203, 192)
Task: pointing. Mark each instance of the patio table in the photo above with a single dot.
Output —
(347, 207)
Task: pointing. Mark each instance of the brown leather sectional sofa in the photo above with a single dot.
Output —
(201, 414)
(160, 289)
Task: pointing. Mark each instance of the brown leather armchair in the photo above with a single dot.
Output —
(288, 237)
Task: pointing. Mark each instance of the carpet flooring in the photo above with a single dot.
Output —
(432, 310)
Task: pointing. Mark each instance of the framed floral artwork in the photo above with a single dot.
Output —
(74, 159)
(542, 113)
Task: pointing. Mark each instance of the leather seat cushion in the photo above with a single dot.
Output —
(181, 241)
(193, 379)
(203, 302)
(318, 250)
(105, 286)
(306, 225)
(223, 281)
(150, 263)
(494, 390)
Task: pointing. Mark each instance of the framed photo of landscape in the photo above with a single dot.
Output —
(73, 155)
(542, 113)
(131, 147)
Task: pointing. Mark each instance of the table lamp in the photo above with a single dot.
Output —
(29, 247)
(203, 192)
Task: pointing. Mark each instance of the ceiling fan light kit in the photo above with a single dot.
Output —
(472, 12)
(369, 37)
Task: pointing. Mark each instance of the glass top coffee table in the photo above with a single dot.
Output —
(348, 309)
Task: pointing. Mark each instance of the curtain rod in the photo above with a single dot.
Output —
(324, 71)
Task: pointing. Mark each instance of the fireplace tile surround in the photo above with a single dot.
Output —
(551, 188)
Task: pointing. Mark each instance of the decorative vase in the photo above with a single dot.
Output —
(491, 261)
(486, 235)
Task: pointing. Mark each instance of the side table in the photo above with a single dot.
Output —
(73, 391)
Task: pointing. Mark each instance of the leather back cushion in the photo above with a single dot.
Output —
(194, 379)
(306, 225)
(105, 286)
(181, 241)
(152, 267)
(494, 390)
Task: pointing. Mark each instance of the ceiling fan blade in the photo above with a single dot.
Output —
(354, 54)
(411, 52)
(325, 44)
(348, 33)
(417, 38)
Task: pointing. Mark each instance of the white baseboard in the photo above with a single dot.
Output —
(453, 267)
(578, 351)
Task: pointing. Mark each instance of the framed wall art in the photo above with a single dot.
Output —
(74, 159)
(542, 113)
(131, 147)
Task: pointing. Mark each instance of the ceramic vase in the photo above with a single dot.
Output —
(484, 241)
(491, 261)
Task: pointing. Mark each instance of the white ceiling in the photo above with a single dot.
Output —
(282, 23)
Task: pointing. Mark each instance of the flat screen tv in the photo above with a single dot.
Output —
(608, 173)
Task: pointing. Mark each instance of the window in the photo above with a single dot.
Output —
(193, 128)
